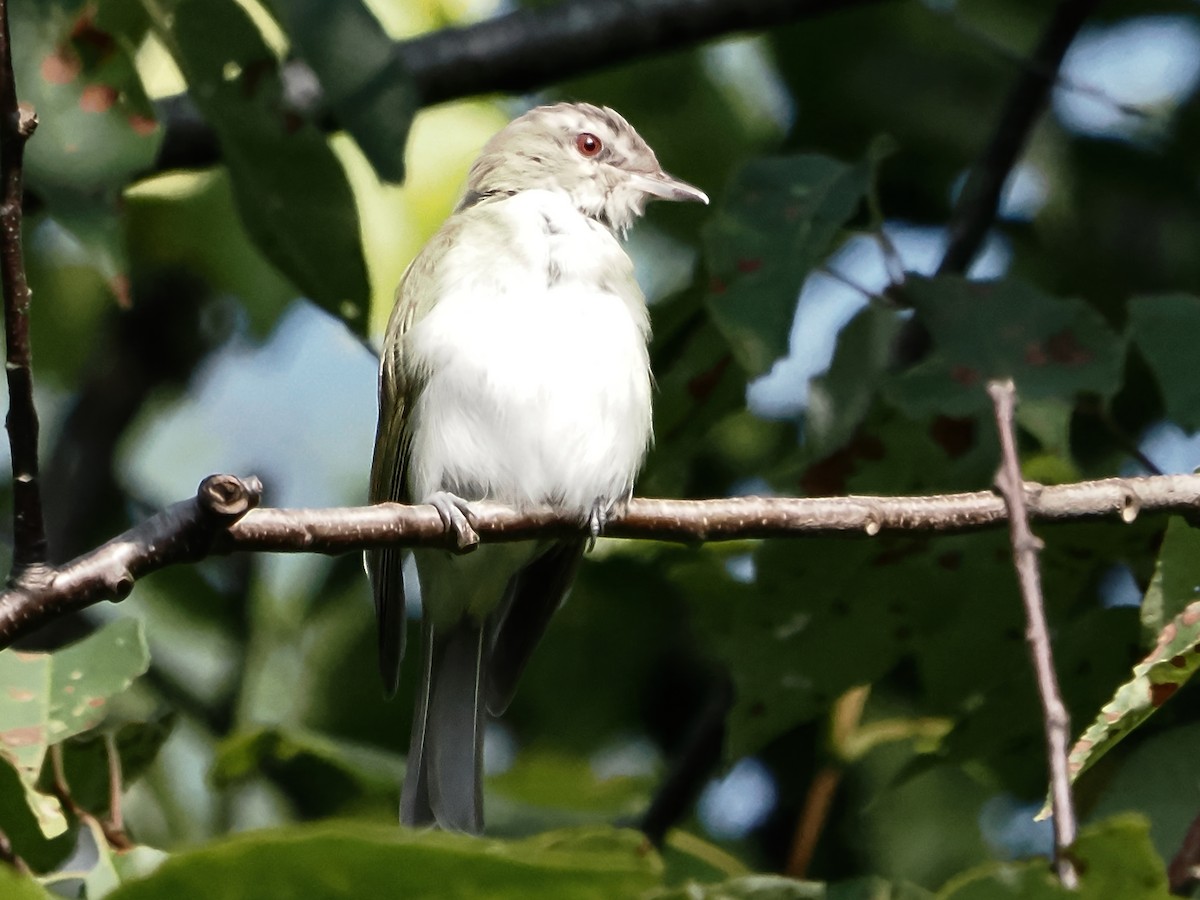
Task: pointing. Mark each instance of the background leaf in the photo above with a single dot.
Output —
(1004, 329)
(778, 221)
(324, 861)
(364, 79)
(291, 191)
(1165, 329)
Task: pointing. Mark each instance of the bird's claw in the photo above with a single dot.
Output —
(596, 521)
(457, 518)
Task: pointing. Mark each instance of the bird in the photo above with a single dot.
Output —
(515, 369)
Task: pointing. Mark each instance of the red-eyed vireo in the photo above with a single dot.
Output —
(515, 370)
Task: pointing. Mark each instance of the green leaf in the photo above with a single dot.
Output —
(777, 887)
(778, 222)
(95, 128)
(189, 221)
(748, 887)
(1166, 329)
(349, 859)
(291, 191)
(24, 829)
(1157, 779)
(1004, 329)
(1031, 880)
(49, 697)
(816, 622)
(550, 779)
(14, 886)
(1114, 858)
(326, 773)
(366, 85)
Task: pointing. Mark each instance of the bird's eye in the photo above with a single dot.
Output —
(588, 144)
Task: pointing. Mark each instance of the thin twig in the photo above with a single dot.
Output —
(114, 825)
(692, 767)
(115, 836)
(221, 519)
(62, 790)
(1184, 869)
(845, 719)
(17, 123)
(979, 201)
(1025, 557)
(813, 815)
(1009, 55)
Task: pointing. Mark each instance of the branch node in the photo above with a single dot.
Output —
(120, 584)
(27, 120)
(872, 525)
(229, 497)
(1131, 505)
(1029, 544)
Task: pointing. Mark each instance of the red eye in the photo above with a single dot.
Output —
(588, 144)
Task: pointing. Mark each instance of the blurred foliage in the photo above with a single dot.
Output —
(895, 666)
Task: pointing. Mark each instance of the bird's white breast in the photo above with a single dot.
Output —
(536, 375)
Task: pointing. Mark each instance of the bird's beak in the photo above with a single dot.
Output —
(660, 184)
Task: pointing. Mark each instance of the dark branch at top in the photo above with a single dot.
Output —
(529, 49)
(17, 123)
(980, 198)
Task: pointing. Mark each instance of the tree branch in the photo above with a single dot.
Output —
(222, 519)
(527, 49)
(531, 48)
(1184, 867)
(17, 123)
(979, 200)
(1025, 557)
(692, 767)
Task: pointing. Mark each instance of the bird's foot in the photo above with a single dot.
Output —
(457, 518)
(596, 521)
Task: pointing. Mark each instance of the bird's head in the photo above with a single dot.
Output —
(588, 152)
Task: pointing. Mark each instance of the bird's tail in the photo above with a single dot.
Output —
(443, 783)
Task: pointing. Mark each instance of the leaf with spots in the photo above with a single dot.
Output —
(1051, 347)
(779, 221)
(96, 130)
(49, 697)
(1174, 659)
(291, 191)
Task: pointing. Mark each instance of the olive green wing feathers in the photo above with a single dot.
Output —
(398, 389)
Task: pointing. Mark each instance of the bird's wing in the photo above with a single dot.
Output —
(534, 594)
(398, 389)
